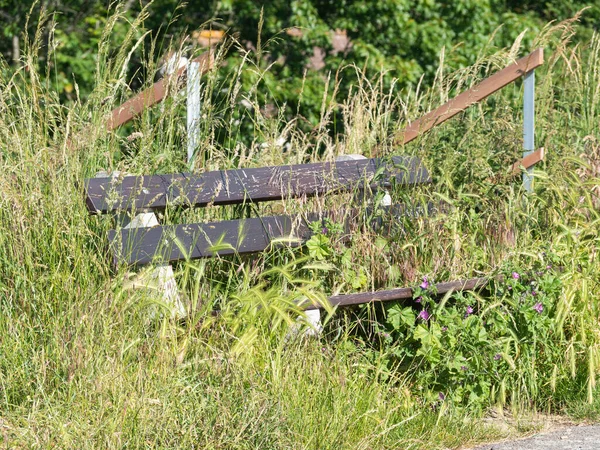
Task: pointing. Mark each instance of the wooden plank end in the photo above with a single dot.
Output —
(536, 58)
(529, 160)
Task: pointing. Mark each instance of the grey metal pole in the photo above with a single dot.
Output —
(528, 125)
(193, 110)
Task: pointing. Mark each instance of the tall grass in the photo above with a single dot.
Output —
(82, 365)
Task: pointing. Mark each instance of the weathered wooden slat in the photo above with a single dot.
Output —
(400, 293)
(477, 93)
(529, 161)
(136, 246)
(151, 96)
(179, 242)
(237, 186)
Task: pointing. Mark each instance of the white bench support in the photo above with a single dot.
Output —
(161, 279)
(313, 316)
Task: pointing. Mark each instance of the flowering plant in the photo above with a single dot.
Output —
(465, 347)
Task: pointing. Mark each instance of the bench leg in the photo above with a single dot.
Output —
(161, 279)
(308, 325)
(313, 318)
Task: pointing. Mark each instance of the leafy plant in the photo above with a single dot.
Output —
(470, 349)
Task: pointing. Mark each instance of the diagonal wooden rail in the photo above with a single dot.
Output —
(153, 95)
(136, 105)
(477, 93)
(468, 98)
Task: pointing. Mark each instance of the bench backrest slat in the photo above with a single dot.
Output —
(194, 241)
(245, 185)
(243, 236)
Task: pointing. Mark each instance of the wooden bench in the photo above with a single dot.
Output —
(144, 241)
(149, 243)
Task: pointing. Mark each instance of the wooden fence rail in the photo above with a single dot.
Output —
(474, 95)
(477, 93)
(153, 95)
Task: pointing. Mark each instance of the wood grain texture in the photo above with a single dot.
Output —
(238, 186)
(473, 95)
(193, 241)
(400, 293)
(529, 161)
(159, 245)
(151, 96)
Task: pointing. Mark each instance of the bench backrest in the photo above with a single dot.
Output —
(238, 186)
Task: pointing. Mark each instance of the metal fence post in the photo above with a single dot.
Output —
(528, 125)
(193, 111)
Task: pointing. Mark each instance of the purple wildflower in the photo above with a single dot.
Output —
(469, 311)
(548, 267)
(423, 315)
(497, 356)
(441, 396)
(533, 293)
(538, 307)
(463, 368)
(515, 275)
(324, 230)
(418, 299)
(444, 328)
(425, 283)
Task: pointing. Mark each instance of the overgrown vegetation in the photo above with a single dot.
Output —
(301, 41)
(82, 364)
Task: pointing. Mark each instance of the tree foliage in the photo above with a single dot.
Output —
(303, 40)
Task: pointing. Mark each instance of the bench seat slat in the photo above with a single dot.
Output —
(238, 186)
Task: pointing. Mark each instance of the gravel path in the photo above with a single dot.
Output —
(585, 437)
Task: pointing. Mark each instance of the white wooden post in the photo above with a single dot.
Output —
(193, 111)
